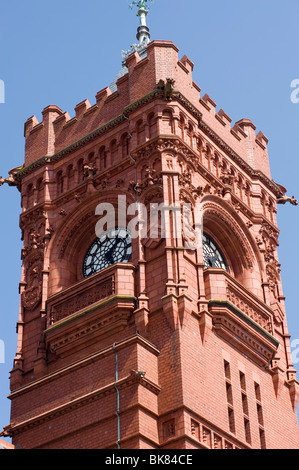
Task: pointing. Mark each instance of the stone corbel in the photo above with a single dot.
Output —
(170, 309)
(205, 325)
(278, 376)
(40, 363)
(293, 385)
(16, 374)
(185, 306)
(141, 315)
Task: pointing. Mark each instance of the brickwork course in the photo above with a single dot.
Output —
(163, 351)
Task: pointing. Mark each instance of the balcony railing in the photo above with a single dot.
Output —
(115, 281)
(219, 285)
(240, 317)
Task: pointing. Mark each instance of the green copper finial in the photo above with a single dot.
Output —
(142, 4)
(143, 34)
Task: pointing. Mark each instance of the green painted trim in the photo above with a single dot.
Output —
(246, 318)
(100, 304)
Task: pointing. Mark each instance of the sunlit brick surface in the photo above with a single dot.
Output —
(174, 340)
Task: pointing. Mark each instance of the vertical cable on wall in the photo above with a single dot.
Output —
(117, 391)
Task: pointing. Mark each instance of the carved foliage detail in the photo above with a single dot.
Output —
(82, 300)
(249, 310)
(32, 295)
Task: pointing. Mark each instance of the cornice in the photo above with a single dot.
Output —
(135, 339)
(227, 304)
(132, 379)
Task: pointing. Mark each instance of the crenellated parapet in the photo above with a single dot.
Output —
(58, 129)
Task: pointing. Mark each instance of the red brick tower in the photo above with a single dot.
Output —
(162, 346)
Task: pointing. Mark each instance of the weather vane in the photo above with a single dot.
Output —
(142, 4)
(143, 34)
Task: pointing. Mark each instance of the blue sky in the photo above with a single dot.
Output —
(62, 52)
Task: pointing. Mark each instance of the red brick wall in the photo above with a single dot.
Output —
(160, 316)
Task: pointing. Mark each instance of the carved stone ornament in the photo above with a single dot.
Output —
(32, 295)
(272, 279)
(152, 184)
(270, 232)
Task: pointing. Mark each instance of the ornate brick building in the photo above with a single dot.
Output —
(142, 342)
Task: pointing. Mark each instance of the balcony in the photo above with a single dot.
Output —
(90, 308)
(240, 317)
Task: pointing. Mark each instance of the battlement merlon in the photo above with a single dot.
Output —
(58, 130)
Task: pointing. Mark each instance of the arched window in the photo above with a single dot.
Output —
(264, 203)
(199, 145)
(271, 209)
(182, 126)
(124, 145)
(91, 157)
(30, 195)
(152, 125)
(140, 132)
(240, 187)
(80, 170)
(59, 182)
(39, 187)
(103, 158)
(113, 151)
(208, 154)
(190, 134)
(70, 176)
(216, 164)
(167, 122)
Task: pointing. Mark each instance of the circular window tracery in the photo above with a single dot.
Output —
(113, 246)
(212, 255)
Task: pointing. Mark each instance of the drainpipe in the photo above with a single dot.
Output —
(117, 391)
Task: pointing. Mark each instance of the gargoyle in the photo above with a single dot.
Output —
(284, 199)
(168, 87)
(11, 179)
